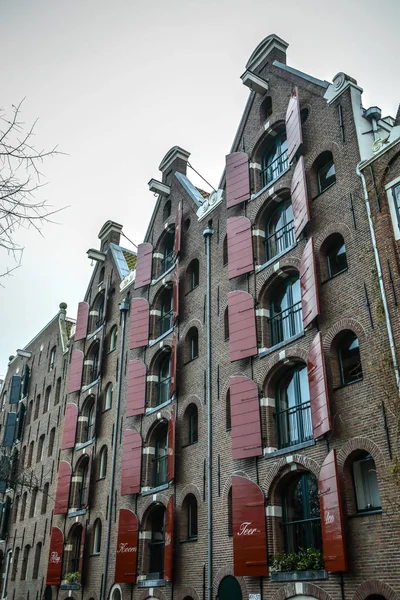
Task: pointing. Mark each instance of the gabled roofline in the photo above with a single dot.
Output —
(322, 83)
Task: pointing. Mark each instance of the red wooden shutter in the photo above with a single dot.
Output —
(127, 547)
(131, 463)
(172, 387)
(70, 423)
(294, 132)
(136, 388)
(63, 484)
(331, 515)
(242, 326)
(55, 557)
(245, 418)
(82, 552)
(298, 190)
(178, 230)
(237, 178)
(319, 399)
(171, 446)
(249, 531)
(240, 246)
(169, 540)
(143, 265)
(75, 371)
(140, 320)
(88, 477)
(308, 282)
(175, 295)
(82, 321)
(101, 349)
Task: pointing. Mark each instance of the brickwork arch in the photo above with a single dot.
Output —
(274, 474)
(336, 227)
(263, 135)
(149, 503)
(329, 146)
(268, 278)
(342, 325)
(274, 365)
(192, 323)
(224, 572)
(151, 421)
(261, 206)
(188, 489)
(375, 586)
(385, 175)
(225, 387)
(192, 399)
(186, 591)
(228, 484)
(360, 443)
(301, 589)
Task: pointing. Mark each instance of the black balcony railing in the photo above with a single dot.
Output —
(300, 535)
(274, 169)
(280, 240)
(167, 261)
(286, 324)
(294, 425)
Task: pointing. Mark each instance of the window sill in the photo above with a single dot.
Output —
(265, 352)
(83, 445)
(275, 258)
(155, 490)
(290, 449)
(151, 411)
(101, 478)
(334, 276)
(94, 554)
(192, 290)
(190, 360)
(325, 190)
(188, 540)
(160, 337)
(269, 185)
(112, 350)
(299, 575)
(107, 409)
(90, 385)
(161, 277)
(366, 513)
(190, 444)
(91, 335)
(345, 385)
(149, 583)
(77, 513)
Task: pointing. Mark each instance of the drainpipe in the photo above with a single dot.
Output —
(123, 307)
(207, 242)
(380, 278)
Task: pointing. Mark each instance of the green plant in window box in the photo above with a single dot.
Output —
(72, 577)
(304, 560)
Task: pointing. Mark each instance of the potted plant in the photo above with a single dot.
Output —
(298, 566)
(72, 577)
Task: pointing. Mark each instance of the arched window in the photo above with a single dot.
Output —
(37, 407)
(108, 396)
(166, 310)
(51, 442)
(52, 358)
(113, 338)
(192, 275)
(116, 594)
(23, 506)
(168, 252)
(39, 454)
(366, 483)
(336, 259)
(25, 560)
(225, 251)
(157, 542)
(47, 400)
(192, 416)
(190, 507)
(226, 325)
(45, 497)
(15, 560)
(274, 160)
(91, 366)
(279, 234)
(96, 315)
(266, 109)
(58, 392)
(83, 486)
(23, 456)
(103, 462)
(230, 514)
(228, 419)
(96, 537)
(293, 412)
(229, 589)
(36, 564)
(72, 550)
(301, 521)
(285, 311)
(88, 421)
(15, 511)
(32, 510)
(164, 379)
(29, 412)
(325, 170)
(167, 210)
(160, 456)
(30, 454)
(349, 359)
(192, 344)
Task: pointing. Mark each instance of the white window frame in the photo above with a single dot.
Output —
(363, 495)
(394, 212)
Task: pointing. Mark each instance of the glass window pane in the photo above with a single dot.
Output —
(326, 176)
(349, 358)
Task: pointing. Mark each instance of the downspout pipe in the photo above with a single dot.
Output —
(380, 278)
(207, 241)
(123, 307)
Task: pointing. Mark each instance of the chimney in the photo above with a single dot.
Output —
(270, 49)
(110, 233)
(174, 161)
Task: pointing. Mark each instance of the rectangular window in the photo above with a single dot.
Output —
(366, 484)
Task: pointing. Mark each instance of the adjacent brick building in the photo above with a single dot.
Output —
(231, 402)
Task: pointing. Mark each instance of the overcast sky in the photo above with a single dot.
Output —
(116, 83)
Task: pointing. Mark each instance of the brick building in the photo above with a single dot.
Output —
(232, 395)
